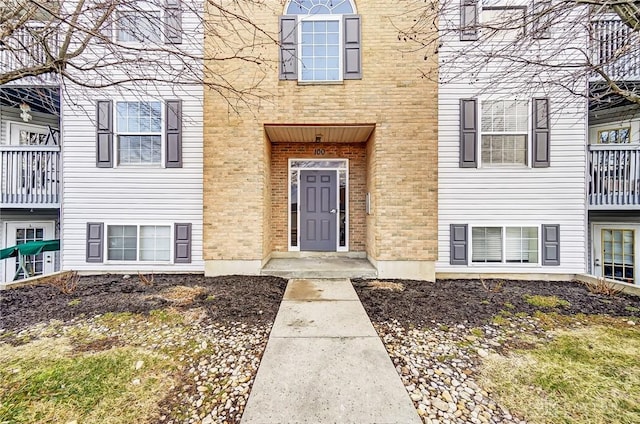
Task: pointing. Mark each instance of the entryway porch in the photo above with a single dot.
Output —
(311, 265)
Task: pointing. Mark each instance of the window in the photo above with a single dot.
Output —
(504, 128)
(139, 243)
(139, 26)
(519, 244)
(27, 134)
(34, 263)
(139, 132)
(320, 50)
(320, 41)
(618, 256)
(487, 244)
(522, 245)
(504, 23)
(615, 135)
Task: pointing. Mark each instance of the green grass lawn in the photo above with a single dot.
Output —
(48, 381)
(589, 374)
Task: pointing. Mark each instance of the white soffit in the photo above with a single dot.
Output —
(285, 133)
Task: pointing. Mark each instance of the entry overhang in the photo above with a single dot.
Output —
(310, 133)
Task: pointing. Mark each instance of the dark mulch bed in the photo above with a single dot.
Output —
(251, 300)
(255, 300)
(468, 302)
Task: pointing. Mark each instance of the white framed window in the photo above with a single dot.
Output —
(503, 23)
(144, 243)
(320, 47)
(21, 134)
(139, 26)
(139, 132)
(486, 244)
(504, 128)
(322, 41)
(619, 135)
(505, 245)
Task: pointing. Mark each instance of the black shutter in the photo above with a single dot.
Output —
(352, 50)
(104, 134)
(182, 244)
(540, 143)
(468, 133)
(173, 134)
(95, 233)
(288, 48)
(458, 243)
(173, 22)
(551, 245)
(468, 20)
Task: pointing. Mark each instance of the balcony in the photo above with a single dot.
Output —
(25, 48)
(614, 177)
(616, 48)
(30, 177)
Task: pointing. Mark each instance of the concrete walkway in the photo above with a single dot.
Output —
(324, 363)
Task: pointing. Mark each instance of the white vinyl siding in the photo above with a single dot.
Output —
(131, 194)
(512, 196)
(141, 195)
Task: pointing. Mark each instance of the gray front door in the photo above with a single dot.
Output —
(318, 207)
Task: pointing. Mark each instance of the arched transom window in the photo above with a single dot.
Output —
(320, 7)
(320, 41)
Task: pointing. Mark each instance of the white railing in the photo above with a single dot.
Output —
(30, 176)
(27, 47)
(614, 176)
(616, 48)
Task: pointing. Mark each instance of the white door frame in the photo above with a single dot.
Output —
(596, 232)
(10, 228)
(343, 168)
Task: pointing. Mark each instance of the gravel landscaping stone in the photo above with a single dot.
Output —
(437, 334)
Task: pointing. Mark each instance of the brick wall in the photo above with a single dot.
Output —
(243, 211)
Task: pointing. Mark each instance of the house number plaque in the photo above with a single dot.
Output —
(318, 152)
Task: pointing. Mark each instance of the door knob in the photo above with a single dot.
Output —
(333, 211)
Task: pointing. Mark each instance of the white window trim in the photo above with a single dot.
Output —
(290, 168)
(634, 135)
(596, 246)
(337, 18)
(116, 135)
(528, 133)
(14, 127)
(138, 225)
(503, 262)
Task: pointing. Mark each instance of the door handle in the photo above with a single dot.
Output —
(333, 211)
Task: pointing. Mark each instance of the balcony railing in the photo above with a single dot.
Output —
(30, 176)
(614, 176)
(27, 47)
(616, 48)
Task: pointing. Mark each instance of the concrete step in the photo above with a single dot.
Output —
(331, 267)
